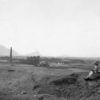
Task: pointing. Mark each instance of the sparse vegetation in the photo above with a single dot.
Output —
(25, 82)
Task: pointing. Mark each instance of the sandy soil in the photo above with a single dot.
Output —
(17, 81)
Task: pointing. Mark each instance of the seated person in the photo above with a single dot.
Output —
(94, 71)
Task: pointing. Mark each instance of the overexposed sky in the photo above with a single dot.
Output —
(51, 27)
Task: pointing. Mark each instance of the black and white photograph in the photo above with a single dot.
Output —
(49, 49)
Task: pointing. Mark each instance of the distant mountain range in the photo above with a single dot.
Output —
(36, 53)
(6, 52)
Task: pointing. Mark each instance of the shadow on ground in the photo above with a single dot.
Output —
(69, 87)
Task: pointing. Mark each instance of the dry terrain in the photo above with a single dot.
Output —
(27, 82)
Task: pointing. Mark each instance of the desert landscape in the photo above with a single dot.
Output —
(58, 81)
(49, 50)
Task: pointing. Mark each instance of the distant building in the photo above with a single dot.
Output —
(44, 64)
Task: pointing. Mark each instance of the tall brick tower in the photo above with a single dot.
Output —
(11, 55)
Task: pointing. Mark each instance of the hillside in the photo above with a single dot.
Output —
(5, 51)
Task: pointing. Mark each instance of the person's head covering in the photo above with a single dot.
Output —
(96, 63)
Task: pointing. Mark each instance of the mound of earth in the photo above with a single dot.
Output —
(69, 87)
(21, 84)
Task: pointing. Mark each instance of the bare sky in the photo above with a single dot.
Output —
(52, 27)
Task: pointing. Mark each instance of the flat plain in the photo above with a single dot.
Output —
(28, 82)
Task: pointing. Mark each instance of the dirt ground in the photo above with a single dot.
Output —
(27, 82)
